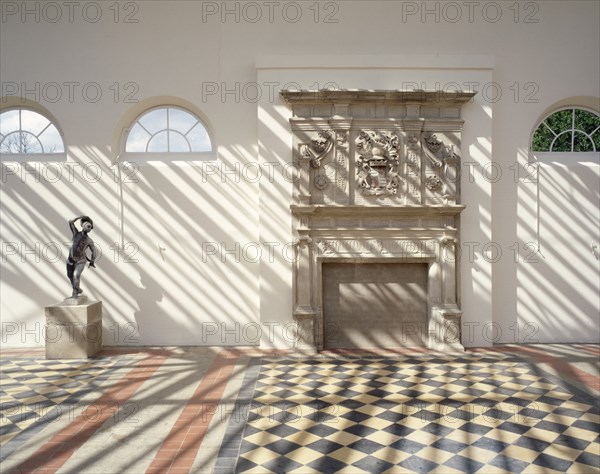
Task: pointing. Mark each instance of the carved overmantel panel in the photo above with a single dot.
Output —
(378, 178)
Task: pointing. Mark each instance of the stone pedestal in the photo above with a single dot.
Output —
(73, 329)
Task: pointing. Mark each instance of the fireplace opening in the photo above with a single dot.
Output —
(374, 305)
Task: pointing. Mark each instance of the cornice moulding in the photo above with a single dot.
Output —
(323, 210)
(349, 96)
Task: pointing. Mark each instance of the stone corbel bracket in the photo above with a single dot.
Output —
(318, 148)
(439, 152)
(443, 167)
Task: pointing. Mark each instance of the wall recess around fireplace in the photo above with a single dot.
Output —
(378, 182)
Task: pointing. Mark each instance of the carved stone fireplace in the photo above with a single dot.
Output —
(378, 183)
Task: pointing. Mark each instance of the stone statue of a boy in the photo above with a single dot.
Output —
(77, 255)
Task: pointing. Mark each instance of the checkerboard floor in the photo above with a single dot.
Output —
(512, 409)
(32, 389)
(472, 413)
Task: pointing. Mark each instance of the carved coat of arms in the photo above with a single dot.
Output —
(377, 163)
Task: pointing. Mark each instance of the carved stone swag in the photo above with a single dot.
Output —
(378, 181)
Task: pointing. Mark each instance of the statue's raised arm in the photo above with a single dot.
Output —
(72, 224)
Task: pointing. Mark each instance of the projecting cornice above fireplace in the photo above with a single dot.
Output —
(349, 96)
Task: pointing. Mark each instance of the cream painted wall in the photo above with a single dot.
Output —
(536, 54)
(560, 203)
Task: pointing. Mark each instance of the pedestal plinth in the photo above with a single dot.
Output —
(73, 328)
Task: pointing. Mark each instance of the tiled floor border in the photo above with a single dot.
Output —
(123, 356)
(178, 451)
(562, 367)
(55, 453)
(532, 355)
(234, 433)
(591, 348)
(57, 411)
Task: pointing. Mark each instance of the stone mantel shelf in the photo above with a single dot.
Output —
(305, 97)
(409, 211)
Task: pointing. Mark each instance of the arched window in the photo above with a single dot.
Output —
(568, 130)
(168, 130)
(25, 131)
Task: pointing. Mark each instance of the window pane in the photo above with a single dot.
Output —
(9, 121)
(158, 143)
(563, 142)
(560, 121)
(596, 139)
(586, 121)
(137, 139)
(177, 142)
(51, 140)
(30, 143)
(11, 143)
(542, 138)
(33, 122)
(155, 120)
(582, 142)
(21, 142)
(199, 139)
(181, 121)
